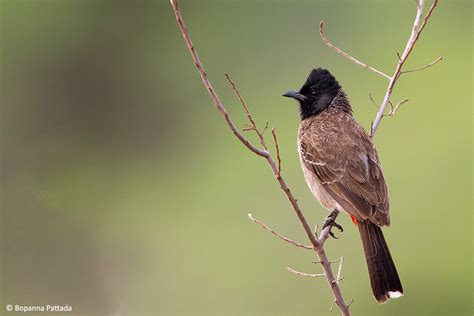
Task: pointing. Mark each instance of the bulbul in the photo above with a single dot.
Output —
(343, 171)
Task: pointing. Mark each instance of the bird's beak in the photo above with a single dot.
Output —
(294, 95)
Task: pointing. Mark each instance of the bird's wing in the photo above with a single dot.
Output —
(345, 162)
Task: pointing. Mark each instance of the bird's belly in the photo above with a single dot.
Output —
(317, 189)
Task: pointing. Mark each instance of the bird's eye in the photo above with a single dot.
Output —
(313, 92)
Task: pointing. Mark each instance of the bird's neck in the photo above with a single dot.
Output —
(340, 101)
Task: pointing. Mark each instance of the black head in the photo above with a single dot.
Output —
(317, 93)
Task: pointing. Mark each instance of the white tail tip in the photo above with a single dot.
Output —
(395, 294)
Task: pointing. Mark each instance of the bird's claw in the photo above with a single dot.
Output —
(330, 221)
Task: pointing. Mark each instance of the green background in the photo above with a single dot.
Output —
(124, 193)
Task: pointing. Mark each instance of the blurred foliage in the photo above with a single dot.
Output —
(123, 192)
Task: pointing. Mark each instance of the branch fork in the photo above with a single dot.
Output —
(414, 36)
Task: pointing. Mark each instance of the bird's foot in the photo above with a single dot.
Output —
(331, 222)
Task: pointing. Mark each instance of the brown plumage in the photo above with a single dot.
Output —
(343, 171)
(339, 153)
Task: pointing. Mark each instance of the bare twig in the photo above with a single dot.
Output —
(317, 245)
(343, 53)
(275, 233)
(253, 126)
(440, 58)
(265, 128)
(333, 302)
(393, 109)
(210, 89)
(415, 34)
(339, 270)
(277, 150)
(373, 101)
(332, 261)
(317, 275)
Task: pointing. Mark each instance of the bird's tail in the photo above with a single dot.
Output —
(383, 274)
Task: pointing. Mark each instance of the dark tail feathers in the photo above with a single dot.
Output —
(383, 274)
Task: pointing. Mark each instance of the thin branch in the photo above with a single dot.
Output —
(265, 128)
(440, 58)
(415, 35)
(373, 101)
(275, 233)
(316, 226)
(317, 245)
(339, 270)
(332, 261)
(334, 302)
(343, 53)
(210, 89)
(277, 150)
(426, 18)
(253, 126)
(311, 275)
(391, 107)
(394, 110)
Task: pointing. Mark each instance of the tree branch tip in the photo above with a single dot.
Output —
(339, 276)
(437, 60)
(329, 261)
(277, 234)
(348, 56)
(373, 101)
(229, 80)
(313, 275)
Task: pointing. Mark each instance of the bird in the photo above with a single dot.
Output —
(343, 171)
